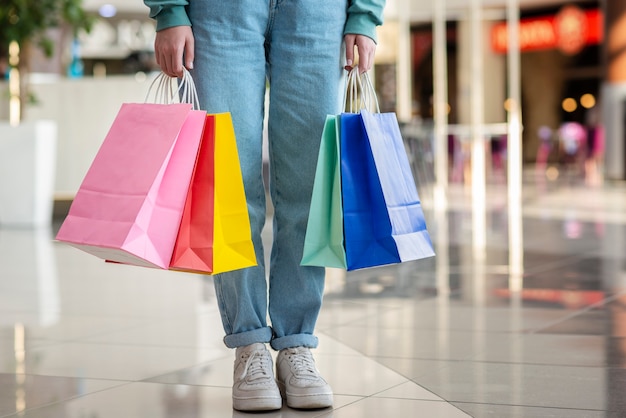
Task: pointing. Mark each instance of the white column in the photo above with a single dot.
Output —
(440, 71)
(514, 150)
(477, 118)
(404, 87)
(440, 104)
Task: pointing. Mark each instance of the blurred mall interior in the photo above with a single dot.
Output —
(513, 114)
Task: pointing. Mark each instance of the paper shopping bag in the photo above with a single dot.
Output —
(323, 243)
(214, 234)
(193, 250)
(232, 237)
(367, 226)
(382, 218)
(130, 203)
(402, 202)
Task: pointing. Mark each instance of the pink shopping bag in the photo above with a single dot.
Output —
(129, 206)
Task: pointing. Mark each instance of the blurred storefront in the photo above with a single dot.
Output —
(444, 67)
(561, 74)
(120, 42)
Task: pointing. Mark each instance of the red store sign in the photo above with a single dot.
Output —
(570, 31)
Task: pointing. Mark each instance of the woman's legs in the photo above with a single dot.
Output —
(229, 72)
(304, 69)
(299, 43)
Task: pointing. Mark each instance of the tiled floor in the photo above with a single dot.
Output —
(462, 334)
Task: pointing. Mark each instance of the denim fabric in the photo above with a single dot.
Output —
(296, 46)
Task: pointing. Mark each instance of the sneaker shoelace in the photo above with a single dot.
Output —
(302, 363)
(257, 365)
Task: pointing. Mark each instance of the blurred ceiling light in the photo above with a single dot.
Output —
(552, 173)
(587, 101)
(107, 10)
(569, 105)
(508, 104)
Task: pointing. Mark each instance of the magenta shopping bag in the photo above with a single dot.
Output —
(129, 206)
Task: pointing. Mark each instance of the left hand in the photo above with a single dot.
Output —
(366, 48)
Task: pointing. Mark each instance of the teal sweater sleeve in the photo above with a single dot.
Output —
(363, 15)
(168, 13)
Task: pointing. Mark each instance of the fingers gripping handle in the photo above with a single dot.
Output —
(359, 93)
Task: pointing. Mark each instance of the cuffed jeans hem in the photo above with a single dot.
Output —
(261, 335)
(297, 340)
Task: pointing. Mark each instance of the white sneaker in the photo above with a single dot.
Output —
(254, 387)
(300, 381)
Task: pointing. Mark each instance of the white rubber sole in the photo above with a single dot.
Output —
(306, 401)
(257, 404)
(318, 401)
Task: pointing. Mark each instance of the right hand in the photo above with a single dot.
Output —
(366, 48)
(171, 46)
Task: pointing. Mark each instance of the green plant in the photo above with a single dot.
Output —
(24, 24)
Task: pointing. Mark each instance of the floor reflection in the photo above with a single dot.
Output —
(29, 274)
(526, 321)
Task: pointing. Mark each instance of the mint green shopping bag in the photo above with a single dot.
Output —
(323, 244)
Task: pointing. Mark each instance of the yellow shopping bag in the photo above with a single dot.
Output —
(232, 246)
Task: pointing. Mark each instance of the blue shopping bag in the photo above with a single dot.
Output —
(378, 205)
(402, 202)
(367, 226)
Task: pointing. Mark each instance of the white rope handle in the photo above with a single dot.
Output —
(359, 93)
(370, 93)
(163, 89)
(169, 90)
(352, 99)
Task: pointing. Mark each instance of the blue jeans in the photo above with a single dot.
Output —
(296, 47)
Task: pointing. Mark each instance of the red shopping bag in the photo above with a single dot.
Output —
(193, 250)
(130, 203)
